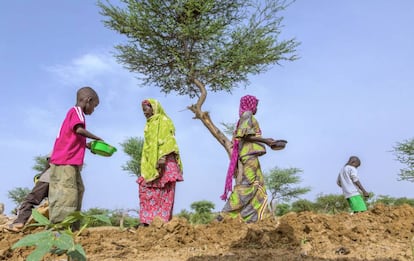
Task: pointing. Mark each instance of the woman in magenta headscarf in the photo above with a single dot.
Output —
(248, 199)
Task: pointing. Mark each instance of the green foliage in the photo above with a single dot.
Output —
(392, 201)
(118, 217)
(193, 47)
(133, 148)
(122, 218)
(331, 204)
(279, 183)
(203, 214)
(385, 199)
(302, 205)
(59, 238)
(177, 45)
(94, 212)
(41, 163)
(404, 151)
(17, 195)
(184, 214)
(404, 200)
(51, 242)
(282, 209)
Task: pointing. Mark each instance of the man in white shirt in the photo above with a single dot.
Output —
(351, 186)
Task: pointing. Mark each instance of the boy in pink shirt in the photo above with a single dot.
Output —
(66, 186)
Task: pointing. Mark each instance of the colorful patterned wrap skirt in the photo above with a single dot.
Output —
(248, 200)
(156, 198)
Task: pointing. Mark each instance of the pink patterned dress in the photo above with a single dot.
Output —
(156, 198)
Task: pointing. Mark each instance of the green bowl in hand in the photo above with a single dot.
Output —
(102, 148)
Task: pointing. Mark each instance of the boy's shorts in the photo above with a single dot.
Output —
(357, 203)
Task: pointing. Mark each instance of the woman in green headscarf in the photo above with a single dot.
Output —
(161, 165)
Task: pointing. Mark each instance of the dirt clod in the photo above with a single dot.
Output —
(382, 233)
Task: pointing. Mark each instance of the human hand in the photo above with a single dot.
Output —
(278, 145)
(270, 142)
(161, 164)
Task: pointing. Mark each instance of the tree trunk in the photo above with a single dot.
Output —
(206, 120)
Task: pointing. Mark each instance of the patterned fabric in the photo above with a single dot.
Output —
(248, 125)
(248, 103)
(157, 197)
(159, 140)
(248, 199)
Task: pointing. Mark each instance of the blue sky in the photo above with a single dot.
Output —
(350, 93)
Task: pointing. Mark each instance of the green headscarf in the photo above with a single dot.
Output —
(159, 140)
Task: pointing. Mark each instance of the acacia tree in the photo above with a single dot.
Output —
(280, 184)
(193, 47)
(133, 148)
(404, 151)
(331, 203)
(203, 214)
(41, 163)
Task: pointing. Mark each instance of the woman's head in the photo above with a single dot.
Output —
(248, 103)
(147, 109)
(151, 107)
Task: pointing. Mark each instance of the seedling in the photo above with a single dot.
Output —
(58, 238)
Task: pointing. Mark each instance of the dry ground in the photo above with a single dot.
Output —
(382, 233)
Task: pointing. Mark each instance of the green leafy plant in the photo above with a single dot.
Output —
(133, 148)
(404, 152)
(59, 238)
(203, 214)
(281, 184)
(17, 195)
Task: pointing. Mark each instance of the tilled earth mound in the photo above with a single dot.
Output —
(382, 233)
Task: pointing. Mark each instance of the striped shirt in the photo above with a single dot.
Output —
(69, 148)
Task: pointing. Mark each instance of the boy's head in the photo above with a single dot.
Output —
(87, 99)
(354, 161)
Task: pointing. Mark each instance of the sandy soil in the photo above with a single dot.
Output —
(382, 233)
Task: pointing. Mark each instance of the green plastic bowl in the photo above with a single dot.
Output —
(102, 148)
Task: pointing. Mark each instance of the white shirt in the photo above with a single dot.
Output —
(346, 178)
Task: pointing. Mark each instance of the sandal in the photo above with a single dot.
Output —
(17, 227)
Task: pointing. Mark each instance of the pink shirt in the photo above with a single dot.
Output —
(70, 147)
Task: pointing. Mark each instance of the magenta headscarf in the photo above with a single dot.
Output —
(247, 103)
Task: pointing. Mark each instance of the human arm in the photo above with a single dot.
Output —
(268, 141)
(161, 163)
(352, 172)
(360, 187)
(338, 182)
(248, 130)
(79, 129)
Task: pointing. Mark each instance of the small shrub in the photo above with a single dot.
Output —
(59, 238)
